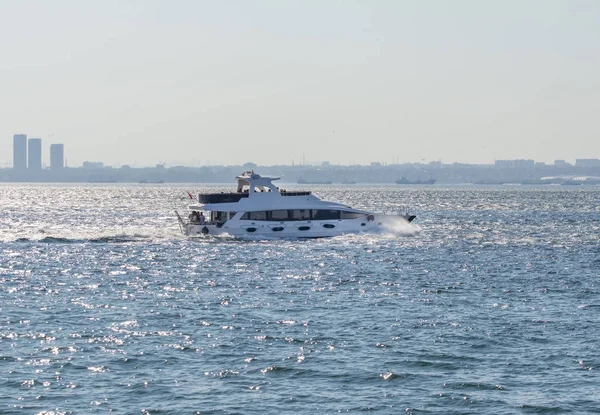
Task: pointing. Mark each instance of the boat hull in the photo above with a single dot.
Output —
(289, 229)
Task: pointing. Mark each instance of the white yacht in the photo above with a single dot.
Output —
(259, 208)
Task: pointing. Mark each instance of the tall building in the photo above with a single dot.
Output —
(34, 154)
(57, 156)
(20, 151)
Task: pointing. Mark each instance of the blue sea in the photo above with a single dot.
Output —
(489, 303)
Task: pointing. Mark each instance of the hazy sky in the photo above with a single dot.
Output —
(225, 82)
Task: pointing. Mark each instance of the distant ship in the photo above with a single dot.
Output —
(404, 180)
(302, 181)
(348, 182)
(572, 180)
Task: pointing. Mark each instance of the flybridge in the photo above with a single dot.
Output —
(250, 182)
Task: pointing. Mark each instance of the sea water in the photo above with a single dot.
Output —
(489, 302)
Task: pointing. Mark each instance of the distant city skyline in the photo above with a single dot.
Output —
(28, 153)
(353, 82)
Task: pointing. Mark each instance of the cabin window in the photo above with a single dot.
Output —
(262, 215)
(232, 214)
(300, 214)
(351, 215)
(278, 215)
(258, 215)
(326, 214)
(220, 216)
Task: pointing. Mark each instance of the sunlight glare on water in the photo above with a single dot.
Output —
(486, 303)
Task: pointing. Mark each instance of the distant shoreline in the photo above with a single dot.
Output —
(526, 174)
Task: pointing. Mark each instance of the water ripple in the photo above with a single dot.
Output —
(489, 306)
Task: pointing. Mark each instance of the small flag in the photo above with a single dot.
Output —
(190, 195)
